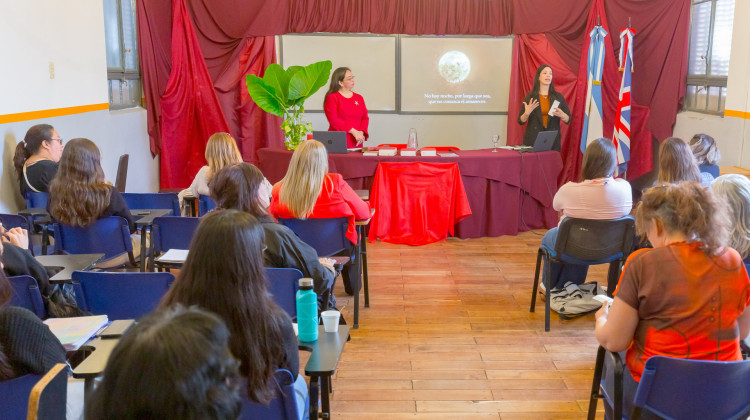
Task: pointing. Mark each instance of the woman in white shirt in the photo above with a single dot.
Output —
(221, 151)
(599, 196)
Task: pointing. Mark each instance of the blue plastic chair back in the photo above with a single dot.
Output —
(695, 389)
(283, 284)
(149, 201)
(327, 236)
(282, 407)
(173, 232)
(110, 235)
(26, 294)
(205, 204)
(11, 221)
(15, 394)
(124, 295)
(36, 199)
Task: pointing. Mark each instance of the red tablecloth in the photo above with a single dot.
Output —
(417, 203)
(508, 192)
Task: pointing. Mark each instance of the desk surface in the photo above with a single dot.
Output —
(143, 218)
(69, 264)
(326, 352)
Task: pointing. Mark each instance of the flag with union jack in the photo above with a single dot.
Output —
(621, 135)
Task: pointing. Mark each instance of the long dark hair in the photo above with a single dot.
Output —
(224, 273)
(535, 89)
(236, 187)
(30, 145)
(337, 76)
(174, 363)
(676, 162)
(78, 194)
(599, 160)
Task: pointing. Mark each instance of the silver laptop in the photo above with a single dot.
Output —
(544, 141)
(334, 141)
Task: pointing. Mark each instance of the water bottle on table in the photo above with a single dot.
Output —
(307, 311)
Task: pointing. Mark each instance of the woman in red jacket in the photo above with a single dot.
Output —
(309, 191)
(346, 110)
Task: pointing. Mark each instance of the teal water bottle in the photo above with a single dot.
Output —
(307, 311)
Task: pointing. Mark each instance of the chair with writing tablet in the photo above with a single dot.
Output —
(124, 295)
(171, 232)
(26, 294)
(35, 396)
(283, 284)
(109, 235)
(283, 406)
(205, 204)
(150, 201)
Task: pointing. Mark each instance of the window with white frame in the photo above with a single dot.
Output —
(710, 45)
(123, 75)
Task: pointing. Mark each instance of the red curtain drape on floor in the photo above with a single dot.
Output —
(235, 40)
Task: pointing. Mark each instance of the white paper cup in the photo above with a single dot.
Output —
(331, 320)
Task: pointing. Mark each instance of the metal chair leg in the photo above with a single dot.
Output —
(363, 252)
(548, 298)
(595, 384)
(535, 286)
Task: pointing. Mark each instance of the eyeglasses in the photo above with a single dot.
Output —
(58, 139)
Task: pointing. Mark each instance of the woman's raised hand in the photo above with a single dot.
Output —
(528, 107)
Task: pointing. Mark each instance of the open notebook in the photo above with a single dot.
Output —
(74, 332)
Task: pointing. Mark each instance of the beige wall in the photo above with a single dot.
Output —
(731, 131)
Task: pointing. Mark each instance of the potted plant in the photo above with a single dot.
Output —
(283, 92)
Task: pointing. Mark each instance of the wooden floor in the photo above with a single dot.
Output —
(448, 335)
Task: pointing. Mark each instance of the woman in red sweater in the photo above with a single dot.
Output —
(346, 110)
(309, 191)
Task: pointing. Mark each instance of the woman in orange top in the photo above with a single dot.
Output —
(684, 298)
(309, 191)
(536, 106)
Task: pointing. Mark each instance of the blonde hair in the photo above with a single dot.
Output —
(303, 181)
(734, 189)
(221, 151)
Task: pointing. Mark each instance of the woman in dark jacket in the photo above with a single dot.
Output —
(536, 107)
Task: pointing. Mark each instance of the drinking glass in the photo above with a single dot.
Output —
(495, 140)
(412, 143)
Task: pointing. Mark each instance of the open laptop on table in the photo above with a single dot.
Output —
(544, 141)
(334, 141)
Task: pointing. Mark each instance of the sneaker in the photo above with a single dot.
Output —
(542, 289)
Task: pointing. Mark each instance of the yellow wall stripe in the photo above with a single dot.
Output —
(49, 113)
(738, 114)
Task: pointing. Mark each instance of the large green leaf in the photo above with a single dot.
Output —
(278, 79)
(265, 96)
(308, 80)
(293, 69)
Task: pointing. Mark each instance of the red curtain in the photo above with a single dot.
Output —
(236, 40)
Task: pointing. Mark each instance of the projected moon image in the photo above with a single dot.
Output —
(454, 66)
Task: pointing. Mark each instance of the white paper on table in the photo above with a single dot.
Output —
(174, 256)
(553, 107)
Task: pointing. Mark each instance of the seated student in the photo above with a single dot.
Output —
(174, 363)
(688, 296)
(240, 187)
(309, 191)
(26, 344)
(706, 155)
(676, 163)
(36, 158)
(598, 196)
(734, 189)
(221, 151)
(79, 194)
(224, 274)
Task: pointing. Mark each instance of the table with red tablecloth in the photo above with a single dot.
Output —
(508, 192)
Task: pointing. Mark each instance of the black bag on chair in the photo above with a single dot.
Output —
(61, 303)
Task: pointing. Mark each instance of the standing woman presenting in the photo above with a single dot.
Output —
(346, 110)
(536, 106)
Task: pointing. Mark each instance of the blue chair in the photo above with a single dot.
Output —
(283, 284)
(205, 204)
(36, 200)
(171, 232)
(150, 201)
(586, 242)
(676, 388)
(282, 407)
(10, 221)
(35, 396)
(110, 235)
(26, 294)
(328, 237)
(126, 295)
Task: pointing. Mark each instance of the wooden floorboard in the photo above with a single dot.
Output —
(449, 335)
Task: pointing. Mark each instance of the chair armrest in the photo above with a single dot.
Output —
(50, 393)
